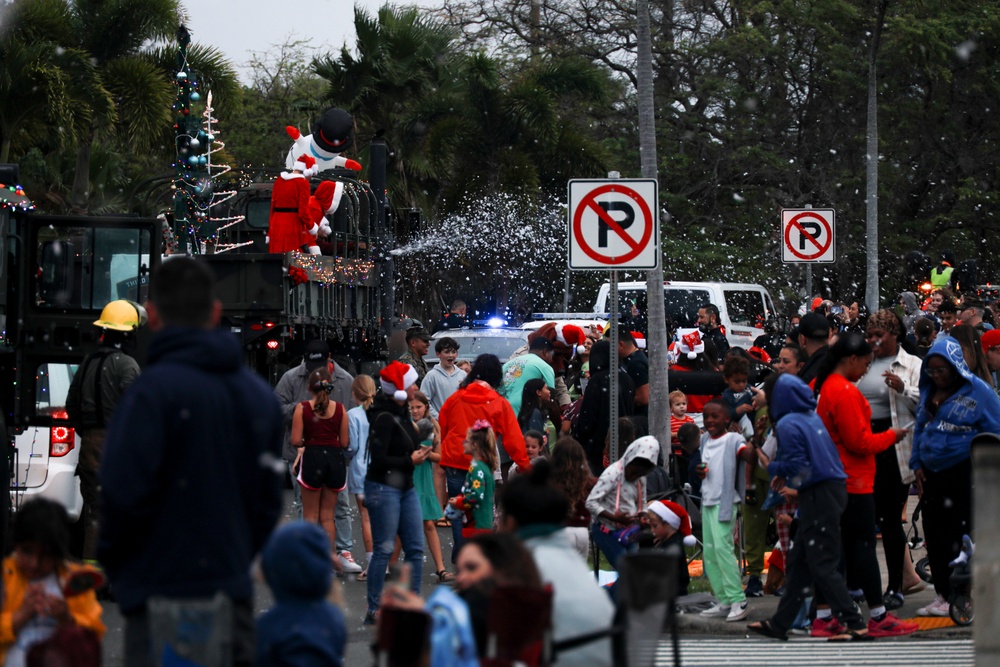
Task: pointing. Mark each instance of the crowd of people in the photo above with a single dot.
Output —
(819, 429)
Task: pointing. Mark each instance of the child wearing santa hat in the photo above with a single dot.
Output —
(671, 528)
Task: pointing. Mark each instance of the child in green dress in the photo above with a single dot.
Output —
(476, 499)
(423, 480)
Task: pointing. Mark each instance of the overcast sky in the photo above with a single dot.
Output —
(239, 27)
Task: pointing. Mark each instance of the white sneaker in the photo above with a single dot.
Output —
(347, 563)
(716, 611)
(937, 608)
(738, 611)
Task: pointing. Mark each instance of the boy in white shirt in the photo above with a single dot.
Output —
(722, 455)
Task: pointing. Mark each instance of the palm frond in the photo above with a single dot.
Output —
(143, 97)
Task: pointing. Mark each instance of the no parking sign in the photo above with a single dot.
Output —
(613, 224)
(807, 235)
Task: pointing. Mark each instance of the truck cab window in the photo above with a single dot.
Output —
(746, 308)
(86, 267)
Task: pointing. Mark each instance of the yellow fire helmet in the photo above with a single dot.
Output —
(122, 315)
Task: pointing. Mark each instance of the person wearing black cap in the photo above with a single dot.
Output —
(814, 335)
(292, 389)
(418, 343)
(972, 314)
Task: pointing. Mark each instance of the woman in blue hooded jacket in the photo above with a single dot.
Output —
(954, 407)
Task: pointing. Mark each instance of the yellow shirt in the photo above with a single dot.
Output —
(84, 608)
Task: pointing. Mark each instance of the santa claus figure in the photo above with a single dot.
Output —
(331, 134)
(566, 339)
(290, 207)
(322, 203)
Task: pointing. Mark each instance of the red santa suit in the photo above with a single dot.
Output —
(290, 208)
(324, 202)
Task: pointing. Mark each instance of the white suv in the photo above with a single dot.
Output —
(45, 457)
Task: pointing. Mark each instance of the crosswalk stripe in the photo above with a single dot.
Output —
(816, 652)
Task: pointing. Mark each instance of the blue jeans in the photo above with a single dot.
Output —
(393, 512)
(454, 479)
(608, 544)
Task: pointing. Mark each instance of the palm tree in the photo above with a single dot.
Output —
(116, 38)
(42, 88)
(398, 81)
(514, 130)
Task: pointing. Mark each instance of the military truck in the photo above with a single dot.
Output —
(275, 302)
(56, 274)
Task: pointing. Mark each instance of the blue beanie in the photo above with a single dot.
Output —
(296, 562)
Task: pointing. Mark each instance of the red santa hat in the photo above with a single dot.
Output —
(675, 516)
(571, 336)
(760, 354)
(640, 340)
(396, 378)
(690, 342)
(304, 163)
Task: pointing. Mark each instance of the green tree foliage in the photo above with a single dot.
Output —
(761, 105)
(118, 87)
(283, 91)
(398, 81)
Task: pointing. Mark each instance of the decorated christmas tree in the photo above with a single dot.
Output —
(198, 190)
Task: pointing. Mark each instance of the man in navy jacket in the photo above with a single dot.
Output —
(191, 475)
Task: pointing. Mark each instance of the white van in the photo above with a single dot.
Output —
(45, 457)
(743, 307)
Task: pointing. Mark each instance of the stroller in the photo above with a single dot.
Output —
(960, 603)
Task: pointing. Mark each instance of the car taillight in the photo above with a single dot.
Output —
(62, 438)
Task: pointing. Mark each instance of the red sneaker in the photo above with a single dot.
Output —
(828, 627)
(890, 626)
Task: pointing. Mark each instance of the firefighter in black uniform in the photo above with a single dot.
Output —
(100, 380)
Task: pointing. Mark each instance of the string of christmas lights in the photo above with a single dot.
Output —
(328, 271)
(197, 188)
(13, 196)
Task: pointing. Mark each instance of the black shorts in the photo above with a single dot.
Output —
(323, 468)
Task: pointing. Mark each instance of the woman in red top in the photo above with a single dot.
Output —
(847, 416)
(320, 433)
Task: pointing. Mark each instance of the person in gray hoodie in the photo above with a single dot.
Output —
(443, 379)
(911, 311)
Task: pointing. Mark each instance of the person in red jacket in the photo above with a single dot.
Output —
(847, 416)
(289, 217)
(477, 398)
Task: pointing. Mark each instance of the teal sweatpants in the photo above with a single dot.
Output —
(720, 556)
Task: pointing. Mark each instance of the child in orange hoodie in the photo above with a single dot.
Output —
(46, 595)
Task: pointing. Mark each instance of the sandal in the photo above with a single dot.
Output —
(849, 635)
(915, 588)
(445, 577)
(442, 523)
(765, 628)
(363, 575)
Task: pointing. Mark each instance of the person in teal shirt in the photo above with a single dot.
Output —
(537, 363)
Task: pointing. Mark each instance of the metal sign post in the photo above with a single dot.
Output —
(613, 387)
